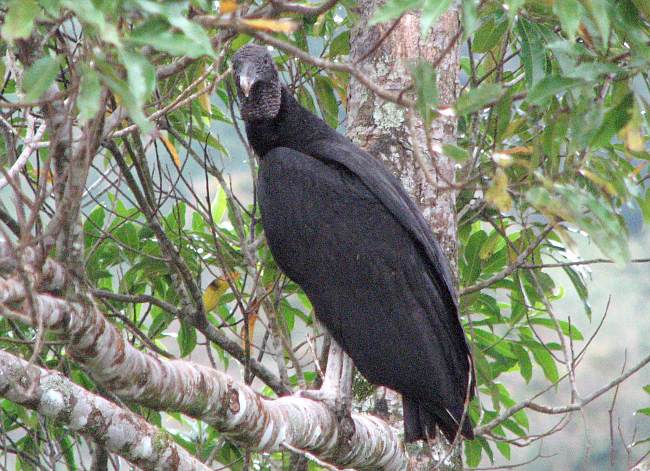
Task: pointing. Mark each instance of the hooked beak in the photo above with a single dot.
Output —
(247, 79)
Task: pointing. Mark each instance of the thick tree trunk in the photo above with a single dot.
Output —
(383, 129)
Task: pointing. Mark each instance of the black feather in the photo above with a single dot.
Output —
(343, 228)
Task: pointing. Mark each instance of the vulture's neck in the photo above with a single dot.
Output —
(293, 127)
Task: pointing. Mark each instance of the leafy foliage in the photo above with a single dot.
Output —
(553, 124)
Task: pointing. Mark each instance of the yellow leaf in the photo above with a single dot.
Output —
(318, 26)
(497, 195)
(513, 127)
(171, 149)
(227, 6)
(277, 26)
(252, 318)
(516, 150)
(638, 168)
(215, 290)
(49, 176)
(206, 104)
(204, 99)
(631, 133)
(502, 159)
(600, 181)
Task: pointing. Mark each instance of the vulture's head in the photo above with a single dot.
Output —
(258, 84)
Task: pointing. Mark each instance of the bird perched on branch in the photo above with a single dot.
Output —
(341, 226)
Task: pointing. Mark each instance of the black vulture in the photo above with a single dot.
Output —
(341, 226)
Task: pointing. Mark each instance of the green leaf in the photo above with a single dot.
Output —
(455, 152)
(600, 12)
(494, 243)
(120, 89)
(141, 76)
(471, 259)
(615, 120)
(88, 13)
(644, 411)
(470, 17)
(592, 71)
(581, 289)
(89, 94)
(478, 98)
(570, 330)
(514, 428)
(544, 359)
(489, 35)
(173, 13)
(67, 447)
(426, 89)
(525, 365)
(39, 77)
(219, 205)
(486, 447)
(340, 45)
(431, 11)
(186, 338)
(549, 87)
(392, 9)
(494, 346)
(570, 13)
(533, 55)
(472, 453)
(157, 34)
(19, 21)
(644, 204)
(306, 100)
(504, 449)
(327, 103)
(591, 213)
(93, 225)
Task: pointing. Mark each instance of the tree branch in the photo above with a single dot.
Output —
(115, 428)
(529, 404)
(235, 409)
(304, 10)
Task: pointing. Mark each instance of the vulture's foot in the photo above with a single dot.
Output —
(336, 391)
(340, 404)
(327, 396)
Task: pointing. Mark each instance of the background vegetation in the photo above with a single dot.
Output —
(551, 153)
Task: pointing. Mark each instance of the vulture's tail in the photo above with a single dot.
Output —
(420, 422)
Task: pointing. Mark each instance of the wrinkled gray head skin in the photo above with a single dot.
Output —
(258, 84)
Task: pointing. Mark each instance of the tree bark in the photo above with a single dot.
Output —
(381, 127)
(109, 425)
(385, 53)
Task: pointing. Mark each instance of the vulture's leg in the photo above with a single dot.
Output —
(336, 391)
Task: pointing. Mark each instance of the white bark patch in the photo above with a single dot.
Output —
(388, 116)
(144, 449)
(121, 433)
(80, 413)
(52, 403)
